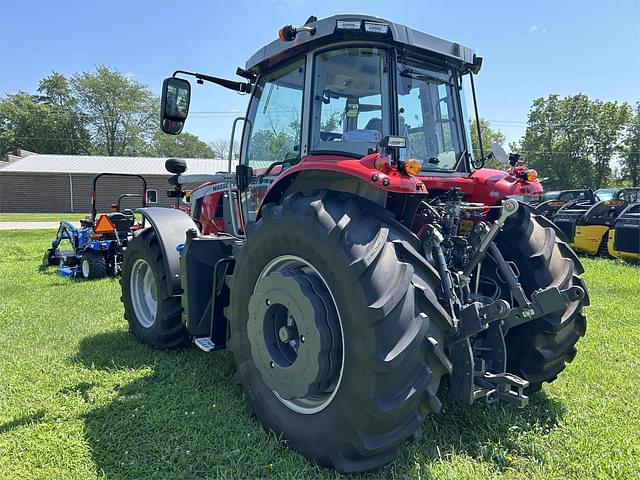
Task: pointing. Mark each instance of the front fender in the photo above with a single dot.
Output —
(344, 170)
(171, 226)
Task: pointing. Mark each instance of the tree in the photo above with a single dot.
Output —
(572, 140)
(488, 137)
(220, 148)
(46, 123)
(631, 150)
(609, 120)
(184, 145)
(121, 114)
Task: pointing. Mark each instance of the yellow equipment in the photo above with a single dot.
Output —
(587, 224)
(624, 237)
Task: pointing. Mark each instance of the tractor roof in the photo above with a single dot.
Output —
(327, 31)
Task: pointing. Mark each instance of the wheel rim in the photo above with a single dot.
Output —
(144, 293)
(85, 268)
(296, 334)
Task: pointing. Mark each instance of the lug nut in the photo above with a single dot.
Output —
(287, 333)
(272, 365)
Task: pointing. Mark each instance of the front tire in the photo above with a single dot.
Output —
(154, 316)
(389, 350)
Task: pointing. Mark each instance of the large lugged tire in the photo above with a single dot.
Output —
(93, 265)
(539, 350)
(154, 316)
(390, 328)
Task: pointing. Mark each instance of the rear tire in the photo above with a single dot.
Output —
(93, 265)
(539, 350)
(154, 316)
(392, 328)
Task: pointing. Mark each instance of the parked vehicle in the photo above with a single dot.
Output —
(95, 249)
(624, 237)
(358, 255)
(550, 202)
(587, 223)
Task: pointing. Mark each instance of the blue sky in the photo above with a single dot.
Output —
(530, 48)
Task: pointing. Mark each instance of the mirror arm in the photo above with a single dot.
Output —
(230, 84)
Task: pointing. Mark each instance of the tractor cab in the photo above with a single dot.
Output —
(358, 97)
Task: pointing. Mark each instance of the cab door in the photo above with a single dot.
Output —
(272, 136)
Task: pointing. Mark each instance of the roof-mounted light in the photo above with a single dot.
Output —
(373, 27)
(348, 24)
(288, 33)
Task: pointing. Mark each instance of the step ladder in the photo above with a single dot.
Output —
(204, 343)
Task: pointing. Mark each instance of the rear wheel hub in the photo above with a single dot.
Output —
(295, 334)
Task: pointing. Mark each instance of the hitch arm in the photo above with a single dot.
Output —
(509, 207)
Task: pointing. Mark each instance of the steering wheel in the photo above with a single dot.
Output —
(330, 136)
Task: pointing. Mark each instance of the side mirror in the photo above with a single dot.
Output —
(174, 106)
(498, 153)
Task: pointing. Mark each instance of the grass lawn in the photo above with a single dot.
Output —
(80, 398)
(40, 217)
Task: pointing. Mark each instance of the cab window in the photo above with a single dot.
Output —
(275, 122)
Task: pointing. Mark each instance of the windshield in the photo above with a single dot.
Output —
(351, 106)
(605, 194)
(629, 195)
(428, 115)
(349, 91)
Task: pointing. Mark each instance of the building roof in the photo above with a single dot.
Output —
(98, 164)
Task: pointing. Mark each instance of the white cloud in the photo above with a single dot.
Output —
(536, 28)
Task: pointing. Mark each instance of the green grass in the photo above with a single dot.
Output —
(80, 398)
(40, 217)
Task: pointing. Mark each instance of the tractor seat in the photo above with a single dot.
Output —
(86, 222)
(121, 221)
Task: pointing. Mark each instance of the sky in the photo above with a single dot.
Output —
(530, 48)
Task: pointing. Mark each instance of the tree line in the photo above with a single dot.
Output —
(573, 142)
(91, 113)
(577, 142)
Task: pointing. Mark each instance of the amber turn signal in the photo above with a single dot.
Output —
(412, 166)
(532, 175)
(381, 163)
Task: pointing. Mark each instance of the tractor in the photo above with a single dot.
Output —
(96, 248)
(358, 256)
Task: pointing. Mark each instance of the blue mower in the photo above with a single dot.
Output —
(97, 247)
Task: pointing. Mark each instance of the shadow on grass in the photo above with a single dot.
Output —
(22, 421)
(186, 419)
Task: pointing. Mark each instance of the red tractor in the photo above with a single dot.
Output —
(358, 255)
